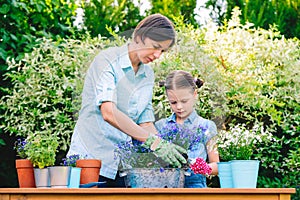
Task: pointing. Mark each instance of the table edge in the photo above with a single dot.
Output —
(147, 190)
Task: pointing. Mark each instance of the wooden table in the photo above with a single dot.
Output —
(145, 193)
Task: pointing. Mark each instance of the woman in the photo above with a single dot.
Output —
(117, 96)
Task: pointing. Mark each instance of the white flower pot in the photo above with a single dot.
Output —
(59, 176)
(42, 178)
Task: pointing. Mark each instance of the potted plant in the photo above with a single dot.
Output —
(59, 176)
(144, 169)
(41, 150)
(70, 161)
(90, 170)
(24, 166)
(236, 147)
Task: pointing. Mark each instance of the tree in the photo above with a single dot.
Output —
(174, 8)
(23, 22)
(283, 13)
(119, 15)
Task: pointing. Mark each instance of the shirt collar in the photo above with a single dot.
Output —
(126, 63)
(191, 118)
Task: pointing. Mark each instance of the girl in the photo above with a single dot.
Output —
(181, 89)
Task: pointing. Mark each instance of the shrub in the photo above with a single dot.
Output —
(240, 143)
(46, 88)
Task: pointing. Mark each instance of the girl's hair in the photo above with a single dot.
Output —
(156, 27)
(180, 79)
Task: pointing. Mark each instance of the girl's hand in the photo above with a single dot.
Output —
(199, 166)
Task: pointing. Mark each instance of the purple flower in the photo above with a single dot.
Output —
(133, 155)
(70, 160)
(20, 147)
(183, 135)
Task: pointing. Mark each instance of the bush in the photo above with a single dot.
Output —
(25, 22)
(260, 70)
(47, 86)
(284, 13)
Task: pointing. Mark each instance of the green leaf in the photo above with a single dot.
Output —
(4, 9)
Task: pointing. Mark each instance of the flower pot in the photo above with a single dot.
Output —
(90, 170)
(244, 173)
(59, 176)
(225, 174)
(74, 177)
(155, 178)
(25, 173)
(42, 178)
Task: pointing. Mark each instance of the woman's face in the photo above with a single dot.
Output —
(182, 102)
(150, 50)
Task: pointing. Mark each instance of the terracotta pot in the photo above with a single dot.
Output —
(25, 173)
(90, 169)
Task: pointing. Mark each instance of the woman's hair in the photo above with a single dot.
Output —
(156, 27)
(180, 79)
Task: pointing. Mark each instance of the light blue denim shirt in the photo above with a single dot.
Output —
(199, 150)
(111, 78)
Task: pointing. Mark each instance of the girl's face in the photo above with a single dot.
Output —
(182, 102)
(150, 50)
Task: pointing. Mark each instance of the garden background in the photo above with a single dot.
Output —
(248, 57)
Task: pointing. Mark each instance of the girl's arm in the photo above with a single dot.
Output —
(213, 155)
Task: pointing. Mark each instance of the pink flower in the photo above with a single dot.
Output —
(201, 167)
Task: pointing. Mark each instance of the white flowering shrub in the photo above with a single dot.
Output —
(47, 84)
(241, 143)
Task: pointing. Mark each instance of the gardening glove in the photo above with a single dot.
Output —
(168, 152)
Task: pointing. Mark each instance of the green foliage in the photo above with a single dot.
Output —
(174, 8)
(240, 142)
(120, 15)
(260, 70)
(41, 148)
(284, 13)
(24, 22)
(46, 87)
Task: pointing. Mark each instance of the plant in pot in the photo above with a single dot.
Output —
(90, 170)
(75, 172)
(236, 147)
(144, 169)
(41, 150)
(24, 166)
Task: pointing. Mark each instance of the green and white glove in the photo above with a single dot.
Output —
(168, 152)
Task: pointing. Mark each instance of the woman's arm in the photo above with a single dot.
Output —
(119, 120)
(149, 127)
